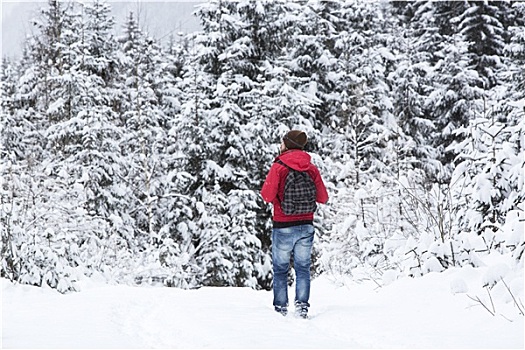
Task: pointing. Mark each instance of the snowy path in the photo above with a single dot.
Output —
(409, 313)
(221, 317)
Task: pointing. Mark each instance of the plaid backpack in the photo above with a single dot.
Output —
(299, 193)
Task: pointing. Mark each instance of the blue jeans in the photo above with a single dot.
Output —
(299, 240)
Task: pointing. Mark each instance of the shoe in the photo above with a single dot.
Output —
(301, 310)
(283, 310)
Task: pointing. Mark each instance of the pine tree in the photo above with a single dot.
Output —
(176, 251)
(365, 122)
(144, 140)
(364, 112)
(447, 16)
(232, 169)
(454, 100)
(186, 160)
(67, 200)
(38, 191)
(486, 156)
(481, 175)
(12, 153)
(515, 50)
(311, 63)
(98, 153)
(411, 83)
(482, 26)
(512, 112)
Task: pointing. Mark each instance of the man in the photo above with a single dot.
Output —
(292, 233)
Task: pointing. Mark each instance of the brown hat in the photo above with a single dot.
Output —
(295, 139)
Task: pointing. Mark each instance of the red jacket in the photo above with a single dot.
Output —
(274, 184)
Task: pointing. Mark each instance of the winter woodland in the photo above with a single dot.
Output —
(142, 162)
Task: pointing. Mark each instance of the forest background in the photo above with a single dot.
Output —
(143, 162)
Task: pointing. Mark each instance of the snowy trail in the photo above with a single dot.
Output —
(409, 313)
(221, 317)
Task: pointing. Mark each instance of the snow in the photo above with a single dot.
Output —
(433, 311)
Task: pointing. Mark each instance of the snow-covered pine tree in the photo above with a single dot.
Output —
(365, 108)
(454, 99)
(143, 143)
(310, 30)
(12, 154)
(97, 135)
(447, 16)
(513, 110)
(50, 221)
(201, 231)
(482, 26)
(364, 120)
(485, 184)
(411, 82)
(481, 172)
(22, 151)
(414, 202)
(179, 89)
(238, 46)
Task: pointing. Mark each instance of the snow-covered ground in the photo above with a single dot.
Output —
(433, 311)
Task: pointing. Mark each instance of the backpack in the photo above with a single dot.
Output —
(299, 193)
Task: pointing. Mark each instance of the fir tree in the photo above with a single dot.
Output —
(144, 141)
(454, 99)
(232, 172)
(411, 83)
(482, 26)
(486, 186)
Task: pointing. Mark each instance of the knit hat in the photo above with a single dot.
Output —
(295, 139)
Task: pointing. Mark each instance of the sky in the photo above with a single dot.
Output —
(158, 18)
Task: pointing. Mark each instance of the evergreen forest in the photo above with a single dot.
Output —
(142, 161)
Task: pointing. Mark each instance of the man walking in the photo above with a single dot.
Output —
(293, 215)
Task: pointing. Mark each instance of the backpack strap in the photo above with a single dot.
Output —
(278, 161)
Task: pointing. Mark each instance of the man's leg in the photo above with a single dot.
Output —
(302, 262)
(282, 246)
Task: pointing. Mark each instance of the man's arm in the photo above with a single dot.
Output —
(322, 193)
(271, 184)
